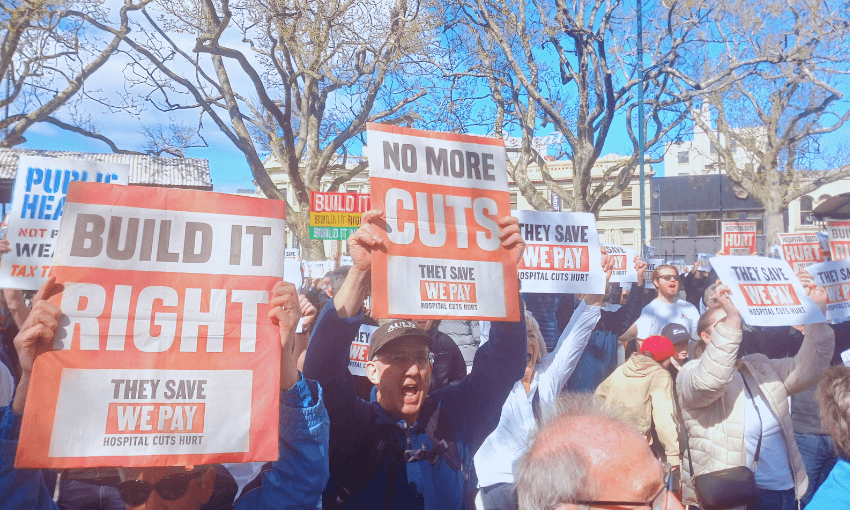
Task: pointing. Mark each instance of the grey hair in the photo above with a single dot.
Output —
(833, 397)
(547, 477)
(542, 350)
(338, 276)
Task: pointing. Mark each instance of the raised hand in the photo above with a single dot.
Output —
(286, 312)
(365, 240)
(34, 338)
(723, 296)
(510, 236)
(640, 267)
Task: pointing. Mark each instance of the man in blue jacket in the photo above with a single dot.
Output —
(296, 479)
(407, 449)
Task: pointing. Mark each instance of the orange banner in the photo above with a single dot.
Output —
(165, 354)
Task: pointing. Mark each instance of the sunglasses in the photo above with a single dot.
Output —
(669, 277)
(170, 488)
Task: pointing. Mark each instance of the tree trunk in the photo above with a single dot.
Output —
(773, 225)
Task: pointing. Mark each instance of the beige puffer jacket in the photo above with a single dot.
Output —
(713, 399)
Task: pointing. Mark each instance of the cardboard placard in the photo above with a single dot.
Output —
(834, 277)
(165, 354)
(443, 195)
(651, 264)
(38, 202)
(739, 237)
(359, 353)
(624, 265)
(800, 250)
(336, 215)
(704, 260)
(839, 239)
(561, 253)
(766, 291)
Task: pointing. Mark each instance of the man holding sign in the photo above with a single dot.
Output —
(408, 449)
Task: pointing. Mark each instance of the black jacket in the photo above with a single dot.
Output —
(449, 366)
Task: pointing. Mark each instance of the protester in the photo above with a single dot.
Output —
(320, 292)
(642, 392)
(582, 457)
(664, 309)
(681, 338)
(466, 335)
(295, 480)
(599, 358)
(408, 449)
(449, 366)
(833, 397)
(732, 405)
(545, 375)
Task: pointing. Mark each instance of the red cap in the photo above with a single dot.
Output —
(660, 346)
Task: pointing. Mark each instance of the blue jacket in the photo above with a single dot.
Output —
(599, 358)
(296, 480)
(367, 442)
(834, 492)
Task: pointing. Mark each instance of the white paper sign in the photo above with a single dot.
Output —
(561, 253)
(834, 277)
(766, 292)
(359, 353)
(346, 260)
(651, 264)
(679, 264)
(624, 265)
(291, 254)
(704, 260)
(38, 202)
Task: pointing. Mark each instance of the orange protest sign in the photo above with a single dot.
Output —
(839, 239)
(800, 250)
(165, 354)
(739, 237)
(443, 195)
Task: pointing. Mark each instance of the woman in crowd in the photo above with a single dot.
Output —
(737, 409)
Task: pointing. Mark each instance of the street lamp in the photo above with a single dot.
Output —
(657, 196)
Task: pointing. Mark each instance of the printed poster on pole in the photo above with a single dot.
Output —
(739, 237)
(561, 253)
(834, 277)
(839, 239)
(165, 354)
(766, 291)
(38, 202)
(443, 195)
(800, 250)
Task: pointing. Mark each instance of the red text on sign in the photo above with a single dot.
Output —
(769, 295)
(555, 258)
(149, 418)
(838, 293)
(446, 291)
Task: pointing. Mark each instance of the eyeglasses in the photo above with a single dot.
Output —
(657, 502)
(399, 358)
(669, 277)
(170, 488)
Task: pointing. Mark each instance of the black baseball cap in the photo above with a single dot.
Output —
(395, 330)
(676, 333)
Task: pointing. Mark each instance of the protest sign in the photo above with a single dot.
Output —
(739, 237)
(839, 239)
(704, 260)
(678, 264)
(443, 195)
(651, 264)
(359, 353)
(319, 268)
(800, 250)
(165, 354)
(561, 253)
(346, 260)
(766, 291)
(291, 254)
(624, 263)
(38, 202)
(834, 277)
(336, 216)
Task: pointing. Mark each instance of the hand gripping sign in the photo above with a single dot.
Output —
(839, 239)
(443, 195)
(834, 277)
(800, 250)
(165, 354)
(766, 292)
(739, 237)
(561, 253)
(38, 203)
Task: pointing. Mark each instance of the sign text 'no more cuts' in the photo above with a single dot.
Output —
(443, 195)
(165, 350)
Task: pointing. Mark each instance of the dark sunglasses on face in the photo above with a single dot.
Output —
(669, 277)
(170, 488)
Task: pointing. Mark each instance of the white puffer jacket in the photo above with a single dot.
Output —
(713, 399)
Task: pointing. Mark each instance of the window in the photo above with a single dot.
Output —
(601, 233)
(708, 224)
(626, 197)
(684, 158)
(674, 225)
(514, 199)
(628, 237)
(806, 207)
(823, 198)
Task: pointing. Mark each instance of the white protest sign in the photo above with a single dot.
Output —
(624, 265)
(704, 260)
(651, 264)
(291, 254)
(738, 237)
(800, 250)
(834, 277)
(679, 264)
(319, 268)
(766, 292)
(561, 253)
(346, 260)
(359, 354)
(38, 202)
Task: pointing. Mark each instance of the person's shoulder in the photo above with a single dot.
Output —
(681, 303)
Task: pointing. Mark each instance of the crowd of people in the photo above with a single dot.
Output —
(616, 400)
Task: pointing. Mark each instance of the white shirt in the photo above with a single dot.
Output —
(774, 470)
(659, 313)
(494, 462)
